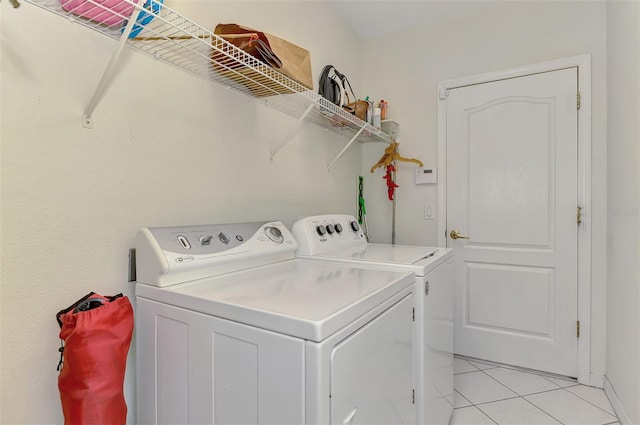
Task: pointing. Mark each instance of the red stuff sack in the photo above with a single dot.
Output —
(97, 334)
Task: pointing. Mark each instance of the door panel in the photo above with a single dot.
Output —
(512, 190)
(524, 304)
(510, 176)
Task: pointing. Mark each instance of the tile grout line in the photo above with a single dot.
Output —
(577, 384)
(546, 391)
(504, 385)
(466, 399)
(523, 396)
(495, 401)
(478, 406)
(500, 383)
(486, 414)
(468, 371)
(596, 406)
(544, 411)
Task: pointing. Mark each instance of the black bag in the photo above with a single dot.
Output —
(333, 86)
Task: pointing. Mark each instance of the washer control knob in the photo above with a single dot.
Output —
(338, 228)
(223, 238)
(330, 229)
(354, 226)
(274, 234)
(205, 240)
(321, 230)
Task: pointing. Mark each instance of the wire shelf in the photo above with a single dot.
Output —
(180, 42)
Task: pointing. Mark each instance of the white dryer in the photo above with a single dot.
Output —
(338, 237)
(231, 328)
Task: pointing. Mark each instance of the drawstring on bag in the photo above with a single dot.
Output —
(61, 350)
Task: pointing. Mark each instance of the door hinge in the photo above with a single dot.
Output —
(413, 396)
(443, 94)
(578, 329)
(579, 216)
(578, 101)
(413, 315)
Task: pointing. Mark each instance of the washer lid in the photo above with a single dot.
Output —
(301, 298)
(417, 259)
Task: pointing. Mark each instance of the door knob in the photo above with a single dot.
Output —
(455, 235)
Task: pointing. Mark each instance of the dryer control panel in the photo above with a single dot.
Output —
(323, 233)
(170, 255)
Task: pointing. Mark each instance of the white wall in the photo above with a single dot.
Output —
(404, 68)
(623, 206)
(167, 148)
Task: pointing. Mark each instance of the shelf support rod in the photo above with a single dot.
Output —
(87, 121)
(293, 131)
(353, 139)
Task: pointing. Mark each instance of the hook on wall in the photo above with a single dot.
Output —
(14, 3)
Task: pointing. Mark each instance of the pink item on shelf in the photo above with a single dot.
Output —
(108, 12)
(383, 109)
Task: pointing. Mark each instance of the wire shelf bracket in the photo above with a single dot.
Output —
(348, 145)
(293, 132)
(87, 119)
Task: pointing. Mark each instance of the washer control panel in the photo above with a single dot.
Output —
(208, 249)
(323, 233)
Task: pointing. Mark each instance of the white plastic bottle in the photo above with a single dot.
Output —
(376, 118)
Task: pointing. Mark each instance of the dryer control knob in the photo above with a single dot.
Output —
(330, 229)
(338, 228)
(205, 240)
(223, 238)
(321, 230)
(274, 234)
(354, 226)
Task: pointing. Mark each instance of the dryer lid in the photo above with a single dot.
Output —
(302, 298)
(417, 259)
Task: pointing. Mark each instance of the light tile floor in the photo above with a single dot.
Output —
(492, 394)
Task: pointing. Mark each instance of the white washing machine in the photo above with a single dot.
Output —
(231, 328)
(339, 238)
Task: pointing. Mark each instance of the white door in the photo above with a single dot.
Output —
(512, 190)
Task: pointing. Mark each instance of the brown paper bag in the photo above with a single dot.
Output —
(249, 40)
(296, 61)
(295, 64)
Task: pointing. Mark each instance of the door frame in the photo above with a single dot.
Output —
(583, 63)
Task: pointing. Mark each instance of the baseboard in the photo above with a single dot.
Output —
(616, 404)
(596, 380)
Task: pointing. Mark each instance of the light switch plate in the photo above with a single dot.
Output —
(429, 212)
